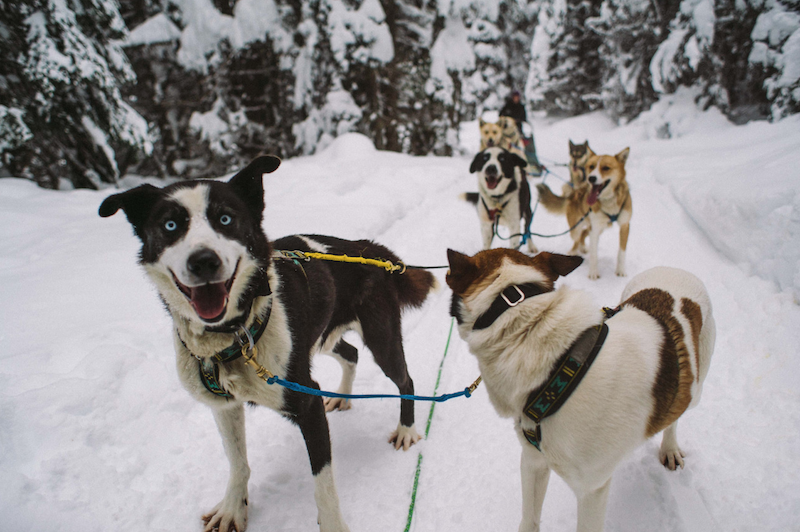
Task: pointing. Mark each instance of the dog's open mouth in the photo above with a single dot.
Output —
(492, 181)
(209, 300)
(595, 192)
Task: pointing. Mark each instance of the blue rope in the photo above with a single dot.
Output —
(313, 391)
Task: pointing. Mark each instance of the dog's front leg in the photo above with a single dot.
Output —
(594, 241)
(314, 426)
(592, 509)
(487, 232)
(231, 512)
(535, 475)
(624, 229)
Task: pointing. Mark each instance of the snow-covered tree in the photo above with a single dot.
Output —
(680, 58)
(566, 69)
(776, 55)
(64, 88)
(478, 56)
(631, 31)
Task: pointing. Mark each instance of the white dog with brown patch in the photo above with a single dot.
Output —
(583, 388)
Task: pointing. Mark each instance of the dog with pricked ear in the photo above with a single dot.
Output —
(579, 155)
(603, 199)
(224, 285)
(491, 134)
(585, 386)
(504, 195)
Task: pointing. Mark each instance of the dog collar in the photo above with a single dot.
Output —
(511, 296)
(494, 213)
(209, 368)
(613, 217)
(569, 370)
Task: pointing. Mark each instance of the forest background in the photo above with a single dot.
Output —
(93, 89)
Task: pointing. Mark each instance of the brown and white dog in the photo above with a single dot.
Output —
(504, 195)
(593, 208)
(526, 334)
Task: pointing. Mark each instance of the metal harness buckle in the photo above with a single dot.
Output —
(518, 301)
(250, 342)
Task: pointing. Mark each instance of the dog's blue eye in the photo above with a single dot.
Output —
(170, 225)
(225, 219)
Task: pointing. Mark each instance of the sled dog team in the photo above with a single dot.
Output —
(584, 385)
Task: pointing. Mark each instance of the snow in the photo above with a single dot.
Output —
(96, 433)
(366, 27)
(451, 52)
(212, 128)
(13, 129)
(101, 141)
(157, 29)
(205, 27)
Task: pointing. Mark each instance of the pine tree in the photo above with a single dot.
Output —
(566, 73)
(62, 73)
(631, 31)
(775, 56)
(742, 95)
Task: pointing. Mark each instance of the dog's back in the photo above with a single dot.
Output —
(679, 303)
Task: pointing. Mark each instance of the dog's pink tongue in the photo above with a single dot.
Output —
(209, 300)
(592, 199)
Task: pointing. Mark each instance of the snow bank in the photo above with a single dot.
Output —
(743, 193)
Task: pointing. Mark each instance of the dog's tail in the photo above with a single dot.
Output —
(414, 285)
(551, 202)
(471, 197)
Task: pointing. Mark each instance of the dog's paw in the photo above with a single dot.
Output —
(621, 271)
(532, 247)
(337, 403)
(594, 275)
(671, 458)
(226, 517)
(404, 437)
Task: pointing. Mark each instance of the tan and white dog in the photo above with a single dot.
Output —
(491, 134)
(593, 208)
(526, 334)
(511, 139)
(503, 134)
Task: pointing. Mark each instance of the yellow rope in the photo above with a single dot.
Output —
(306, 255)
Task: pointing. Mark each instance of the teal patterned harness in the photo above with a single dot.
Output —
(570, 369)
(209, 368)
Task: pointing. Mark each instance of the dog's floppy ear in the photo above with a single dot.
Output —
(477, 163)
(249, 184)
(518, 161)
(462, 272)
(622, 156)
(136, 203)
(561, 264)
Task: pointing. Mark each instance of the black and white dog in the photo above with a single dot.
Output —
(504, 194)
(204, 248)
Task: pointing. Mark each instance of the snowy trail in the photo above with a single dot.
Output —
(97, 434)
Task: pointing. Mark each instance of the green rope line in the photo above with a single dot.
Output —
(427, 430)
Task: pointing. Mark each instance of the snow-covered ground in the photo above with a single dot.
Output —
(97, 434)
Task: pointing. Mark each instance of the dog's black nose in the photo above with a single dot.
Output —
(204, 264)
(491, 170)
(592, 179)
